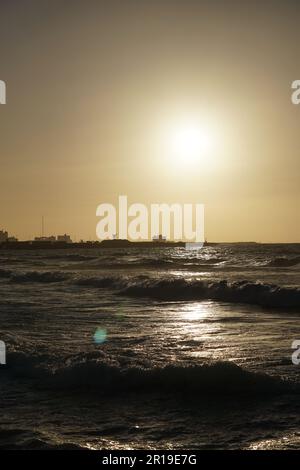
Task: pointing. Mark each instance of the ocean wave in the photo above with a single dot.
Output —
(154, 262)
(284, 262)
(72, 257)
(90, 374)
(204, 261)
(113, 282)
(172, 288)
(99, 282)
(21, 439)
(161, 262)
(265, 295)
(183, 263)
(38, 277)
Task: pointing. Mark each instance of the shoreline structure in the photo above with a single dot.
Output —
(117, 243)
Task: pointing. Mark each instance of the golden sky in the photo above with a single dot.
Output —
(99, 91)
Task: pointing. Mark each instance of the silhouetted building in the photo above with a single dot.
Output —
(159, 238)
(3, 236)
(45, 239)
(64, 238)
(12, 239)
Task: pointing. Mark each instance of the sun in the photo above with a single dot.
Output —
(190, 142)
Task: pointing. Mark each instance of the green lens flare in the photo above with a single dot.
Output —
(100, 335)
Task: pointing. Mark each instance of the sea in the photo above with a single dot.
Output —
(150, 348)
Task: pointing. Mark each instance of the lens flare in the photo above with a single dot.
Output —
(100, 335)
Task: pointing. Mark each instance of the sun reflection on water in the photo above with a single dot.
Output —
(195, 312)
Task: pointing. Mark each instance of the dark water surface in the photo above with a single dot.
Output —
(160, 348)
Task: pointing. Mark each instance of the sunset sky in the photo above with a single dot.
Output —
(102, 96)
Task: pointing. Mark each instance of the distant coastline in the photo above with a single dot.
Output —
(46, 245)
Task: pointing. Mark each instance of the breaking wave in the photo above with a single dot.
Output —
(114, 282)
(284, 262)
(39, 277)
(69, 257)
(22, 439)
(171, 288)
(265, 295)
(100, 282)
(89, 374)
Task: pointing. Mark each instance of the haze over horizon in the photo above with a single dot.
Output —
(189, 103)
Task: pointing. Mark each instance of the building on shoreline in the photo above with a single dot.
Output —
(64, 238)
(53, 239)
(3, 236)
(159, 238)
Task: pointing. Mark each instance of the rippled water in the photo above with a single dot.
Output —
(150, 348)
